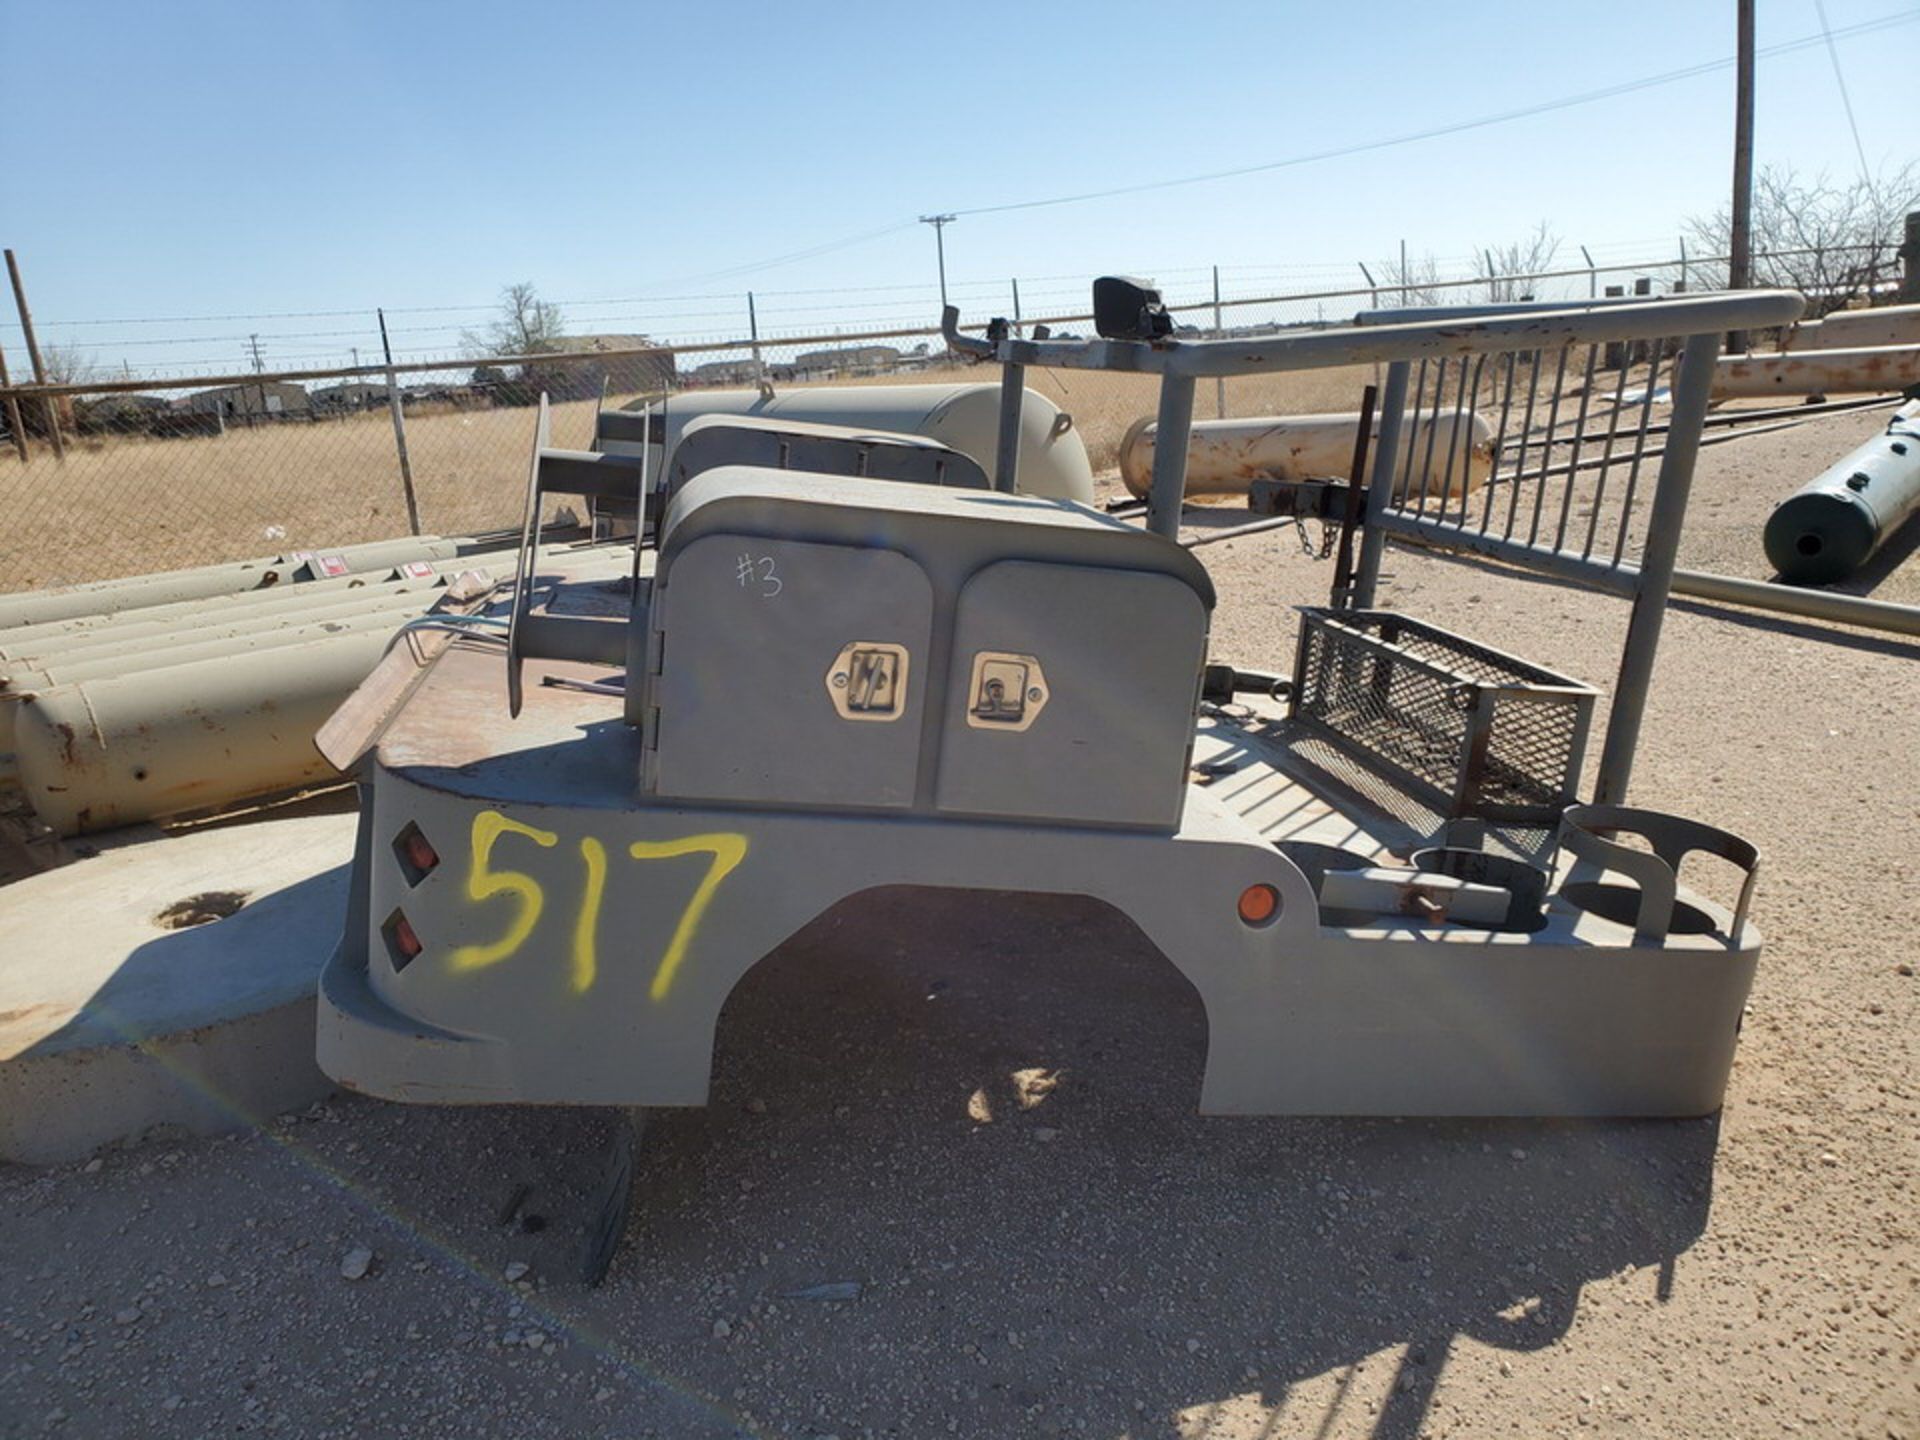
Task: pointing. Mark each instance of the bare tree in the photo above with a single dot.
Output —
(1414, 282)
(527, 325)
(67, 365)
(1838, 244)
(1519, 258)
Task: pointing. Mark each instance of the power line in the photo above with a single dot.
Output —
(1457, 127)
(1827, 38)
(1846, 100)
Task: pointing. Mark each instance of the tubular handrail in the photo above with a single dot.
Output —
(1651, 319)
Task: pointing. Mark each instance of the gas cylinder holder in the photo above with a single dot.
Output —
(1649, 904)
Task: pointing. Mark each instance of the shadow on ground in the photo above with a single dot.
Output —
(1095, 1257)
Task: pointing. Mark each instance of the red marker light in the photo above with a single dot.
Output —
(404, 940)
(420, 852)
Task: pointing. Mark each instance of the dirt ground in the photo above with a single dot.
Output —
(980, 1110)
(128, 505)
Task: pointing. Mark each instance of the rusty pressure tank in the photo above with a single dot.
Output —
(1452, 453)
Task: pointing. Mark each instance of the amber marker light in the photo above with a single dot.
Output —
(1259, 904)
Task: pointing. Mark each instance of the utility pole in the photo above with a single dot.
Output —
(1740, 232)
(939, 224)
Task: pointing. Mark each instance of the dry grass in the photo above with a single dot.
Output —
(127, 505)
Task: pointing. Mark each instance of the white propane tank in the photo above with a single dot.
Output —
(1225, 456)
(1053, 459)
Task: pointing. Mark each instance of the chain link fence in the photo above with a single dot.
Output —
(107, 478)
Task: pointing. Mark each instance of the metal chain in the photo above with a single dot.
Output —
(1307, 548)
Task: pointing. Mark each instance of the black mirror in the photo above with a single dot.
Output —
(1129, 309)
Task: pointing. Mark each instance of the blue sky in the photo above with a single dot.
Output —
(195, 159)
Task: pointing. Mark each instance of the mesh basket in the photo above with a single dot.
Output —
(1470, 731)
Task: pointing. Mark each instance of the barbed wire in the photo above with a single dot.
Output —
(446, 347)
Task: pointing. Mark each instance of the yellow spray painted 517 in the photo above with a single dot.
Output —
(485, 882)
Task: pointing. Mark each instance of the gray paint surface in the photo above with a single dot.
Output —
(1388, 1017)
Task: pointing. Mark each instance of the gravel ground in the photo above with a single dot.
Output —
(979, 1110)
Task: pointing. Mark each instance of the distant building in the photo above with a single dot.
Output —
(738, 373)
(724, 372)
(244, 402)
(651, 369)
(349, 396)
(849, 360)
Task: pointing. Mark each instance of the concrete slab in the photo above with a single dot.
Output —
(113, 1023)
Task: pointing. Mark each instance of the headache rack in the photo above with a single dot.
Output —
(1584, 487)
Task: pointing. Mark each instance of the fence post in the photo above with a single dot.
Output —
(398, 411)
(1373, 288)
(1910, 259)
(1015, 283)
(753, 341)
(1593, 275)
(15, 426)
(33, 355)
(1219, 381)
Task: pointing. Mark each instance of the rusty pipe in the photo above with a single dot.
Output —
(1224, 457)
(1874, 369)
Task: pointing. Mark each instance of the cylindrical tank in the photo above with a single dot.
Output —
(1853, 329)
(1870, 370)
(107, 597)
(1053, 459)
(106, 753)
(1827, 529)
(135, 628)
(36, 637)
(196, 645)
(142, 644)
(156, 679)
(19, 683)
(1225, 456)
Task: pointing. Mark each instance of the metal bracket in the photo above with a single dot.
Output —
(586, 473)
